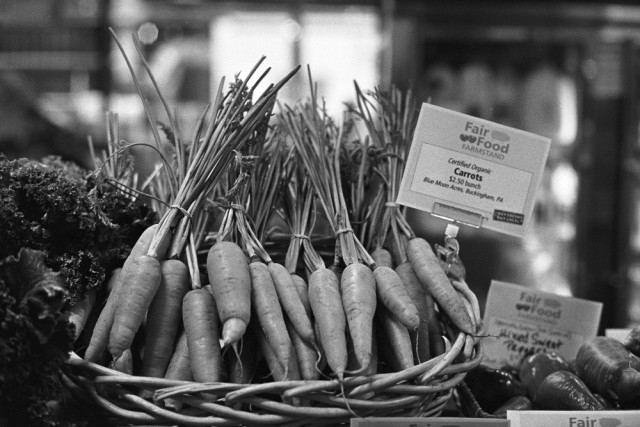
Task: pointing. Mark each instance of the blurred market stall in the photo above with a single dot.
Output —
(567, 70)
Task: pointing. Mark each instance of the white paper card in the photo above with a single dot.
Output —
(473, 171)
(574, 418)
(520, 321)
(618, 333)
(428, 422)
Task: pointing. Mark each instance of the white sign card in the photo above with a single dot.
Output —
(428, 422)
(574, 418)
(473, 171)
(618, 333)
(520, 321)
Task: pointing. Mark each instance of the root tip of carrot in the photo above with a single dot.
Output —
(232, 331)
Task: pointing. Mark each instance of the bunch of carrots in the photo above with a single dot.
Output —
(202, 297)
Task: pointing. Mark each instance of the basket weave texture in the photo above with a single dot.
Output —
(420, 391)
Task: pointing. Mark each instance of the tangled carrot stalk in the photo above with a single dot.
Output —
(317, 140)
(234, 121)
(389, 119)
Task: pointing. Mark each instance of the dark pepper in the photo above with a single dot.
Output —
(565, 391)
(632, 340)
(513, 370)
(493, 387)
(609, 368)
(535, 368)
(516, 403)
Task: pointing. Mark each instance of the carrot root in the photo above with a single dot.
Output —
(102, 328)
(268, 311)
(393, 294)
(420, 336)
(229, 276)
(138, 289)
(164, 316)
(430, 273)
(326, 304)
(200, 319)
(358, 289)
(291, 301)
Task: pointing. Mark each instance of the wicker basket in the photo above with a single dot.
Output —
(421, 391)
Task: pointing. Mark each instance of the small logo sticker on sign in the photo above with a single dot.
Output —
(510, 217)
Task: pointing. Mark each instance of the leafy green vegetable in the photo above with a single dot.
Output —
(85, 226)
(63, 230)
(35, 338)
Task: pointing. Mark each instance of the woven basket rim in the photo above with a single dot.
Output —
(422, 390)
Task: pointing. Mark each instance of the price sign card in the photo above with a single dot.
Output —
(473, 171)
(428, 422)
(520, 321)
(574, 418)
(618, 333)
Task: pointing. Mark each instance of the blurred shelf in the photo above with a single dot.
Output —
(49, 60)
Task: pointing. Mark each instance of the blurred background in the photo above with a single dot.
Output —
(567, 70)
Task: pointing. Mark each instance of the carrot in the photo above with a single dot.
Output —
(100, 334)
(124, 363)
(268, 311)
(290, 301)
(163, 318)
(137, 290)
(392, 294)
(352, 361)
(144, 241)
(321, 362)
(358, 289)
(419, 336)
(609, 368)
(276, 369)
(326, 304)
(303, 292)
(433, 278)
(308, 354)
(382, 257)
(436, 342)
(200, 318)
(179, 368)
(305, 354)
(79, 313)
(470, 300)
(398, 347)
(102, 328)
(230, 280)
(373, 366)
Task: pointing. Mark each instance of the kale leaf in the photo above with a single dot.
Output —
(85, 226)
